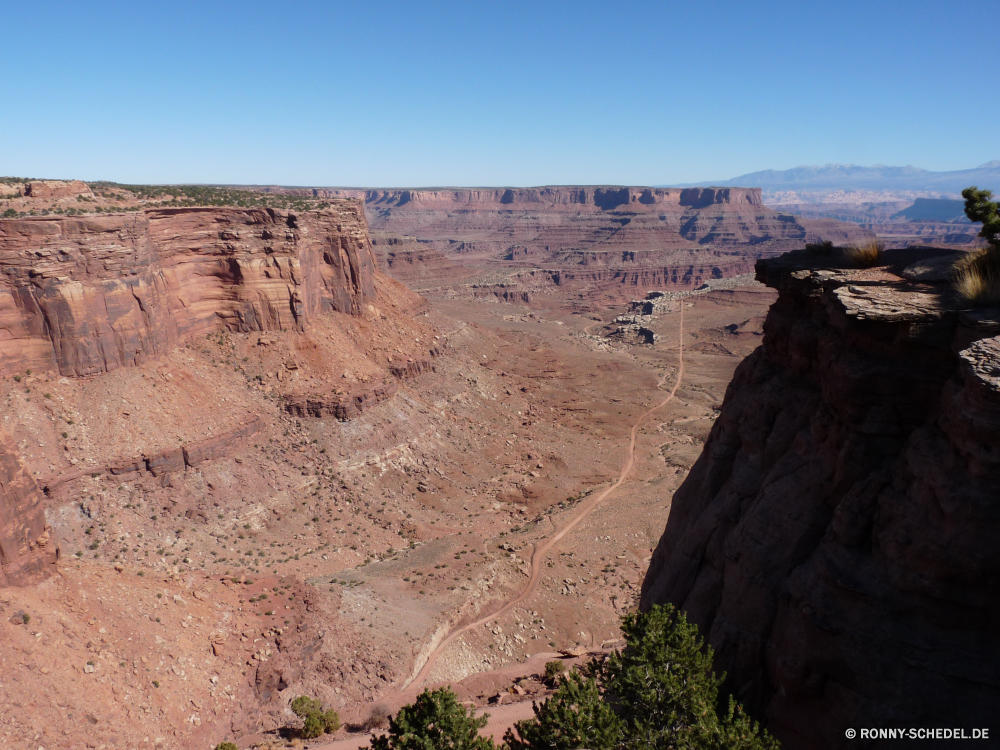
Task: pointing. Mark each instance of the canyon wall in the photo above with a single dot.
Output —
(85, 295)
(837, 539)
(593, 218)
(592, 239)
(601, 197)
(90, 294)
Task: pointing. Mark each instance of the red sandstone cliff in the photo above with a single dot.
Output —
(837, 538)
(87, 295)
(91, 294)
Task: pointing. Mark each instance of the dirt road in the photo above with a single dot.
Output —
(538, 558)
(502, 717)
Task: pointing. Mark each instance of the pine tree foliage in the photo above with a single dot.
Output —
(436, 721)
(979, 207)
(662, 687)
(574, 717)
(658, 693)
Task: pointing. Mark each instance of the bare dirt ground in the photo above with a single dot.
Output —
(354, 561)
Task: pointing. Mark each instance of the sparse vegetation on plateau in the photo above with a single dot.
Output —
(865, 254)
(180, 196)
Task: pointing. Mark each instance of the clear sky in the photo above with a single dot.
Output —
(491, 93)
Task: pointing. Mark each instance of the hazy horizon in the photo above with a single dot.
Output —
(519, 94)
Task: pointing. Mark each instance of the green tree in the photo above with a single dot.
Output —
(979, 207)
(574, 717)
(663, 689)
(436, 721)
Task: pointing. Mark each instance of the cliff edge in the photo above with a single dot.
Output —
(837, 538)
(86, 295)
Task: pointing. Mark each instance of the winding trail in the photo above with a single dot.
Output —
(538, 557)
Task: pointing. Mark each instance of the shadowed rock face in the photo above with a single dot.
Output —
(27, 552)
(88, 295)
(837, 538)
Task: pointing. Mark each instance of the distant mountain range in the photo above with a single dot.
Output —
(879, 177)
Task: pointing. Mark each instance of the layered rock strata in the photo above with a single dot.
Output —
(345, 405)
(27, 551)
(88, 295)
(836, 540)
(599, 238)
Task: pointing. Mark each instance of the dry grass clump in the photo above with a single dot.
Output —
(977, 277)
(378, 718)
(865, 254)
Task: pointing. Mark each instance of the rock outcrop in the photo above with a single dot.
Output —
(27, 551)
(51, 189)
(837, 539)
(347, 404)
(86, 295)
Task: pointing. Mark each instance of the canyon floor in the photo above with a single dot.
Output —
(315, 556)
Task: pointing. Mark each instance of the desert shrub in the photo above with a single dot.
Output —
(554, 669)
(315, 721)
(378, 718)
(977, 277)
(10, 213)
(820, 248)
(226, 746)
(436, 721)
(865, 254)
(576, 716)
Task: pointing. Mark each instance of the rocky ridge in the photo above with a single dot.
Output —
(836, 538)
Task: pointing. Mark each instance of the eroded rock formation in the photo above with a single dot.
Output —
(27, 551)
(837, 538)
(90, 294)
(87, 295)
(55, 189)
(596, 238)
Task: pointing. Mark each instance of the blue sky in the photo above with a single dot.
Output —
(488, 93)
